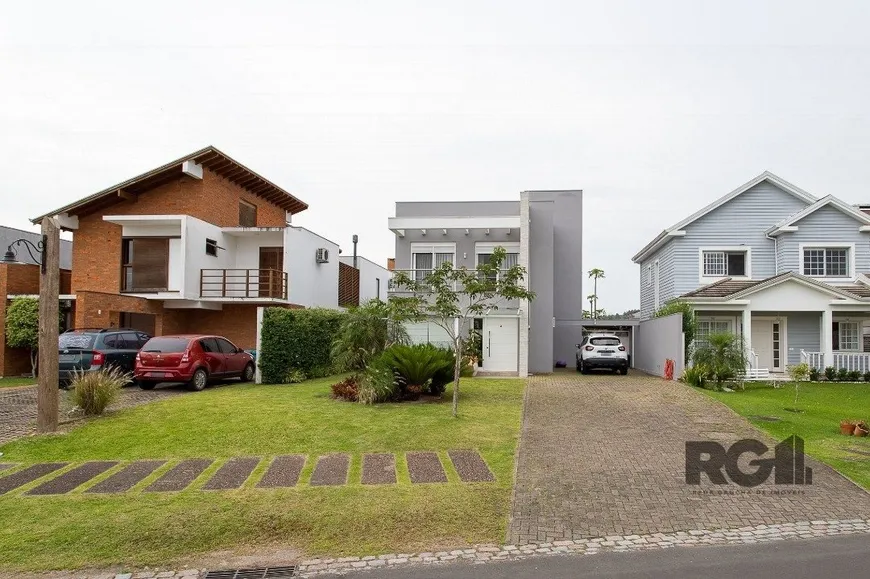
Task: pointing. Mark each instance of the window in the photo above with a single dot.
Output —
(510, 260)
(846, 336)
(605, 342)
(211, 247)
(144, 264)
(378, 287)
(777, 335)
(706, 327)
(724, 263)
(209, 345)
(425, 258)
(247, 214)
(225, 346)
(826, 262)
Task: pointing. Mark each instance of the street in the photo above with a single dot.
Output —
(847, 556)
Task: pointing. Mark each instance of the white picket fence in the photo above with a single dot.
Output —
(859, 361)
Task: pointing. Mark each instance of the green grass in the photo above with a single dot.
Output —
(12, 382)
(136, 529)
(823, 406)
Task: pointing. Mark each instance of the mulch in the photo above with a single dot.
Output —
(470, 466)
(331, 470)
(379, 469)
(425, 467)
(73, 478)
(126, 478)
(283, 472)
(232, 474)
(180, 475)
(28, 475)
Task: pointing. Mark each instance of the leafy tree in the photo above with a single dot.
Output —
(365, 332)
(723, 357)
(22, 327)
(451, 297)
(595, 273)
(684, 308)
(798, 373)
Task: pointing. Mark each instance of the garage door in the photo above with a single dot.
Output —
(428, 333)
(500, 344)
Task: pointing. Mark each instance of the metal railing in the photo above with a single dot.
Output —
(419, 275)
(243, 283)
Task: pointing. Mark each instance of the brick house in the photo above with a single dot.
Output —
(194, 246)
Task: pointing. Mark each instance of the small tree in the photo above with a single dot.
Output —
(722, 355)
(798, 373)
(450, 297)
(22, 327)
(365, 332)
(595, 273)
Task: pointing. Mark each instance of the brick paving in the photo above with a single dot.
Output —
(604, 455)
(18, 407)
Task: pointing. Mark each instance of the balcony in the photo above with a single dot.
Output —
(243, 283)
(419, 275)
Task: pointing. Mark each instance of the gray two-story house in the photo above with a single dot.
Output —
(542, 231)
(774, 264)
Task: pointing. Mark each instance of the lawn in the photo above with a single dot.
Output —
(12, 382)
(823, 407)
(136, 529)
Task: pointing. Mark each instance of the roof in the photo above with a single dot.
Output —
(8, 235)
(210, 158)
(728, 288)
(823, 202)
(676, 230)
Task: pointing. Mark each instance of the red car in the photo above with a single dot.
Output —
(194, 359)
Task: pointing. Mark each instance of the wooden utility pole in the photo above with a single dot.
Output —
(49, 304)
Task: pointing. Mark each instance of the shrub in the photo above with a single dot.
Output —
(814, 374)
(94, 391)
(867, 376)
(364, 333)
(420, 364)
(854, 376)
(696, 375)
(297, 339)
(723, 356)
(842, 375)
(294, 376)
(799, 372)
(347, 389)
(830, 373)
(380, 382)
(689, 325)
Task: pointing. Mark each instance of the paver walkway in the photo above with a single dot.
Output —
(605, 455)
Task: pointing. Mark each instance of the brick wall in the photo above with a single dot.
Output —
(97, 244)
(348, 285)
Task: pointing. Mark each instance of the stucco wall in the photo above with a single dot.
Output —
(658, 340)
(311, 284)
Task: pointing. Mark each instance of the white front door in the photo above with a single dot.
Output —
(768, 337)
(500, 344)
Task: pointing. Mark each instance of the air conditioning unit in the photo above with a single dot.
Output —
(322, 255)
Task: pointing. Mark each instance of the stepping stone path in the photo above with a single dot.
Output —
(180, 475)
(29, 474)
(379, 469)
(73, 478)
(127, 478)
(425, 467)
(331, 470)
(283, 472)
(232, 474)
(470, 466)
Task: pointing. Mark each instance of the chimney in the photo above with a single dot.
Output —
(391, 263)
(355, 241)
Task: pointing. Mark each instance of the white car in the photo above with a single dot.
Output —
(602, 351)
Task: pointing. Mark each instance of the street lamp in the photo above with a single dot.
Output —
(39, 248)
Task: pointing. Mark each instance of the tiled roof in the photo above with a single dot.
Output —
(860, 290)
(722, 288)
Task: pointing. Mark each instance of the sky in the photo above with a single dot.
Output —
(653, 109)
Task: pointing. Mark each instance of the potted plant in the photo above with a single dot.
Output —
(861, 429)
(847, 427)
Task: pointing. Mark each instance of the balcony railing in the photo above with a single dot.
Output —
(243, 283)
(859, 361)
(419, 275)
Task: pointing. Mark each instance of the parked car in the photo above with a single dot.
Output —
(194, 359)
(602, 351)
(89, 350)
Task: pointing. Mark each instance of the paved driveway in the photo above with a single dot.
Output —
(604, 455)
(18, 407)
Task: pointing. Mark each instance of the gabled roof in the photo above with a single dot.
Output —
(210, 158)
(676, 230)
(730, 289)
(847, 209)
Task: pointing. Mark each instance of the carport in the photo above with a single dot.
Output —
(624, 329)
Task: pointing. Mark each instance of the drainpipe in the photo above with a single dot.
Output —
(355, 241)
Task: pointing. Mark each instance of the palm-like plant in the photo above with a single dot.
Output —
(419, 364)
(595, 273)
(365, 332)
(723, 356)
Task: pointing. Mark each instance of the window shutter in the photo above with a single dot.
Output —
(149, 258)
(247, 214)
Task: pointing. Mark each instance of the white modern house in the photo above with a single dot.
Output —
(774, 264)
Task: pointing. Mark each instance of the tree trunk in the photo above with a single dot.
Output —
(49, 288)
(33, 361)
(457, 369)
(595, 293)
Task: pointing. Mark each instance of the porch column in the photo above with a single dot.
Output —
(827, 337)
(747, 336)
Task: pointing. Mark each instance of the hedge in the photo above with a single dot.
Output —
(297, 340)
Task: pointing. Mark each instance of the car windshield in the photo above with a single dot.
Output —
(76, 341)
(605, 341)
(166, 345)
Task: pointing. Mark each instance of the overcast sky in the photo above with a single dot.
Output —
(654, 109)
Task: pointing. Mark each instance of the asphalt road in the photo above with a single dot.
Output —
(847, 556)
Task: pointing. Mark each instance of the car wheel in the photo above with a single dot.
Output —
(583, 368)
(248, 373)
(199, 380)
(146, 385)
(623, 371)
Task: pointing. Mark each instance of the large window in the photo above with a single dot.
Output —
(425, 258)
(826, 261)
(846, 336)
(724, 263)
(144, 264)
(510, 260)
(247, 214)
(706, 327)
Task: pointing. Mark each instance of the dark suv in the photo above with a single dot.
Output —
(92, 349)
